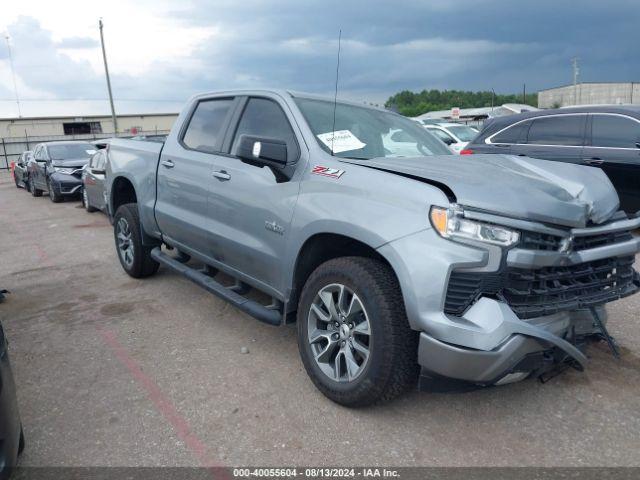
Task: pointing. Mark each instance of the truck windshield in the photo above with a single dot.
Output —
(365, 133)
(71, 150)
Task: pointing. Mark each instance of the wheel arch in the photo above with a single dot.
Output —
(122, 192)
(320, 248)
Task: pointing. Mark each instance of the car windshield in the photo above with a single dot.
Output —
(70, 150)
(365, 133)
(463, 132)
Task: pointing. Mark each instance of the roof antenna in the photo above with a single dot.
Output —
(335, 95)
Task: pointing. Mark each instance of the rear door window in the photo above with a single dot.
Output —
(512, 134)
(567, 130)
(205, 130)
(615, 131)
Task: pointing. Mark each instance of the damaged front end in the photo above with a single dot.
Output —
(540, 300)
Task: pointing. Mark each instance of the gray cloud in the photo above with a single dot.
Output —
(387, 46)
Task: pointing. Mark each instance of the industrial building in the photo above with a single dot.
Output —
(50, 128)
(20, 134)
(605, 93)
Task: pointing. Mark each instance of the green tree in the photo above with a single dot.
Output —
(413, 104)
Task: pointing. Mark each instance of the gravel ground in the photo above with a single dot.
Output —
(121, 372)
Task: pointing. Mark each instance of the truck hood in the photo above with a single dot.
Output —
(71, 162)
(519, 187)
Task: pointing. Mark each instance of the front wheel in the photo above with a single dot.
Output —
(134, 257)
(54, 195)
(354, 339)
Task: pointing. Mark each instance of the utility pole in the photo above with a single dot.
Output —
(13, 75)
(576, 72)
(106, 71)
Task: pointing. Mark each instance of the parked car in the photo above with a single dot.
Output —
(58, 168)
(93, 176)
(402, 144)
(607, 137)
(455, 135)
(483, 270)
(20, 169)
(11, 434)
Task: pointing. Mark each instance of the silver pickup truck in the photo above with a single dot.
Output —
(397, 260)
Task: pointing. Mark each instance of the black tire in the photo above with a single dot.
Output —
(392, 366)
(21, 443)
(85, 202)
(36, 192)
(141, 265)
(54, 195)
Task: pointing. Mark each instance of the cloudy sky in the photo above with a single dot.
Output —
(161, 52)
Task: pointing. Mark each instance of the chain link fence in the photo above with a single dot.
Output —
(12, 147)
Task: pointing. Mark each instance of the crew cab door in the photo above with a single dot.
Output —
(614, 146)
(250, 206)
(184, 176)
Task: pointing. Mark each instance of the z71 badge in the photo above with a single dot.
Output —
(327, 172)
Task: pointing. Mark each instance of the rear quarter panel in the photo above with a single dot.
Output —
(136, 161)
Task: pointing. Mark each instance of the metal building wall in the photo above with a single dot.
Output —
(590, 94)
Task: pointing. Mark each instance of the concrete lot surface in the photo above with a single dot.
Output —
(117, 371)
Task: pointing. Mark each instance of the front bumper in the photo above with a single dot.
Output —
(65, 184)
(488, 342)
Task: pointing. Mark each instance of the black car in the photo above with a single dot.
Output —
(604, 136)
(93, 175)
(58, 168)
(20, 169)
(11, 434)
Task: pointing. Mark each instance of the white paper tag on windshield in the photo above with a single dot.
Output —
(341, 141)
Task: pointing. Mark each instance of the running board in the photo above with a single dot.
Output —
(259, 312)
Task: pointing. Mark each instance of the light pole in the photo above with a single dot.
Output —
(576, 72)
(106, 71)
(13, 75)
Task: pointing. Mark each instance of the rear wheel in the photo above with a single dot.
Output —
(134, 257)
(35, 191)
(54, 195)
(353, 334)
(85, 202)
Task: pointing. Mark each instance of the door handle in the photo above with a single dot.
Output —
(168, 163)
(221, 175)
(594, 161)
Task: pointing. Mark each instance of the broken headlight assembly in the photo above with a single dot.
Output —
(450, 223)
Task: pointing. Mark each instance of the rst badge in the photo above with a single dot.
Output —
(327, 172)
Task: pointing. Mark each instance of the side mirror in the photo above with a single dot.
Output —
(270, 152)
(449, 141)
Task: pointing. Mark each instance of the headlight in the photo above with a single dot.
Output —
(68, 171)
(450, 223)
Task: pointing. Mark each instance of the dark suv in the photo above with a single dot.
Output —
(605, 136)
(58, 168)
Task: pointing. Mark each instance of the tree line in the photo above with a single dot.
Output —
(413, 104)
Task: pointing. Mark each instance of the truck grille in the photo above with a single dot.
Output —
(538, 292)
(543, 241)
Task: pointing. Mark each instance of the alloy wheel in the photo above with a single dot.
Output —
(339, 333)
(125, 242)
